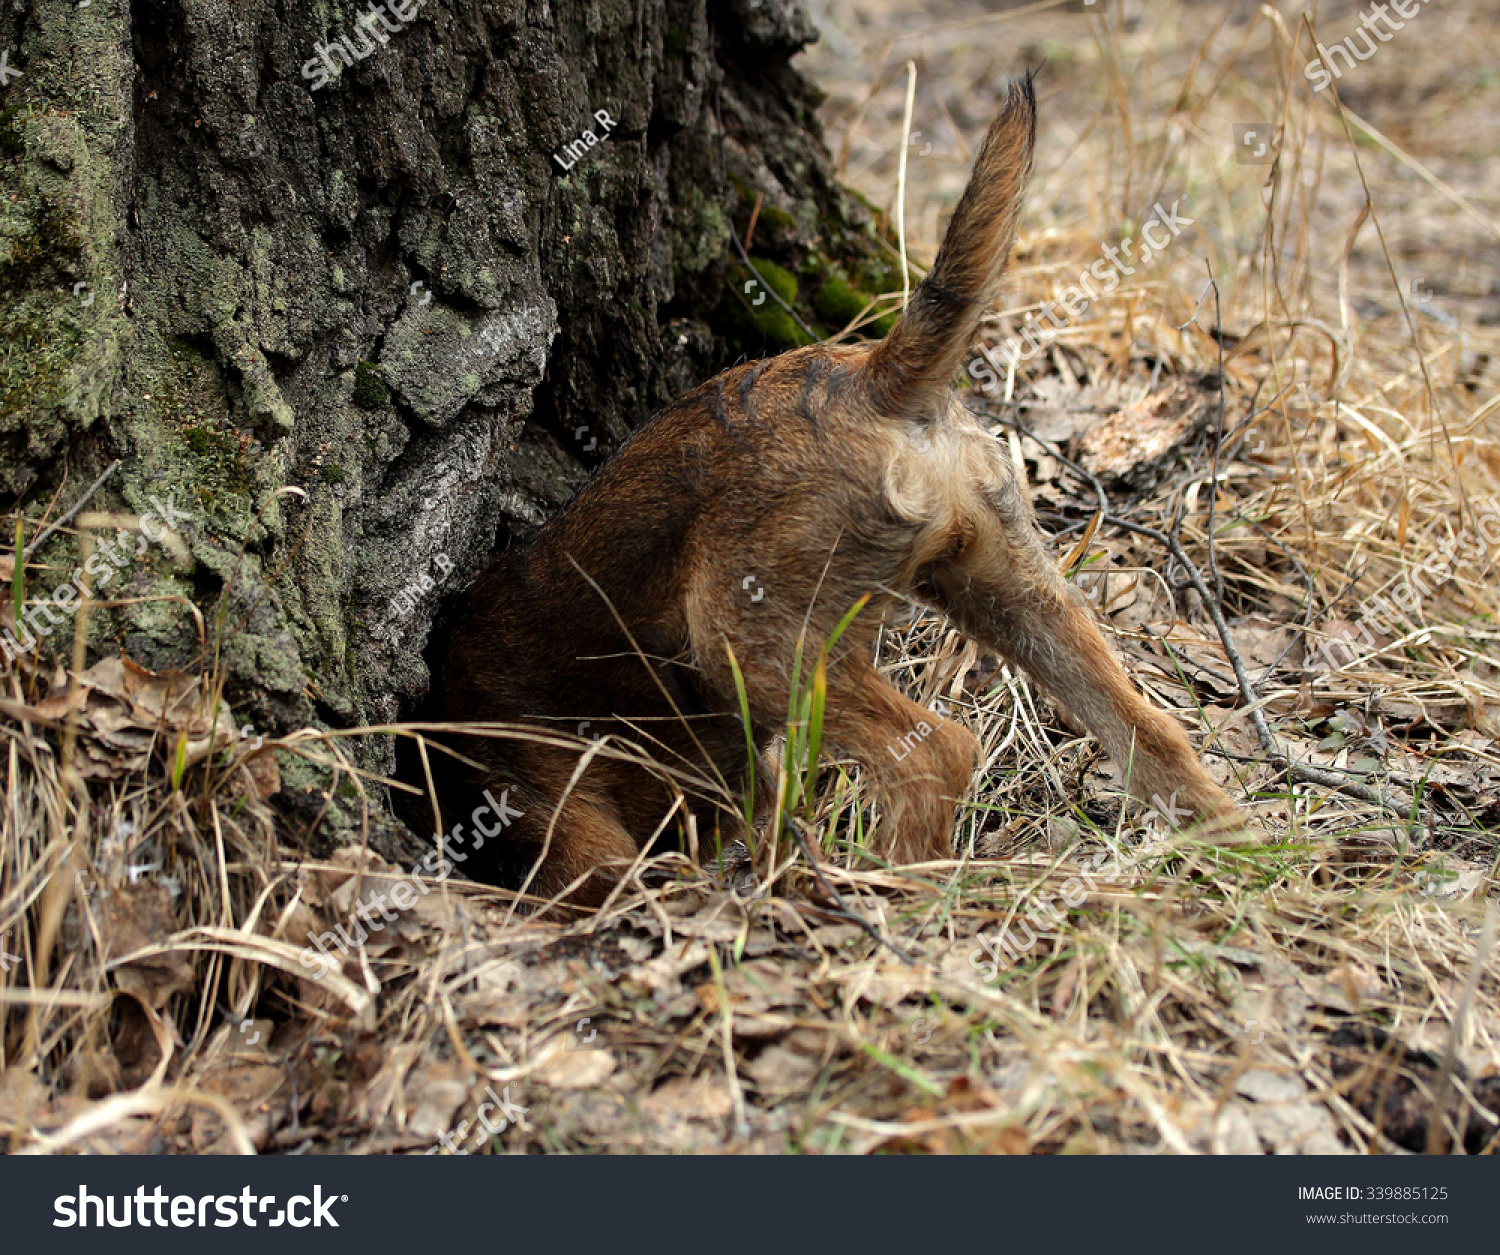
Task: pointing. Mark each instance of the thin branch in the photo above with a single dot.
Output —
(775, 295)
(840, 906)
(72, 513)
(1213, 483)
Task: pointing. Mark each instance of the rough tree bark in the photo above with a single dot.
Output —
(385, 291)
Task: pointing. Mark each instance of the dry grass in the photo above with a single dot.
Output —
(1333, 986)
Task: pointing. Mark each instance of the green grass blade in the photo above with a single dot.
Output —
(744, 699)
(179, 760)
(817, 701)
(18, 575)
(846, 621)
(903, 1070)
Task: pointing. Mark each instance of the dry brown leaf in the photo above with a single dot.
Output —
(791, 1065)
(698, 1098)
(434, 1091)
(264, 773)
(249, 1089)
(1135, 445)
(565, 1068)
(964, 1096)
(134, 917)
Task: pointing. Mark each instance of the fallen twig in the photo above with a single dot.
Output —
(72, 513)
(842, 908)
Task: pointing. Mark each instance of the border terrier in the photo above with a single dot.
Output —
(747, 517)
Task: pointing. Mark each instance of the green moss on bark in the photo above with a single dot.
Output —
(753, 317)
(370, 392)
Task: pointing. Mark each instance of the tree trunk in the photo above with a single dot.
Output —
(384, 289)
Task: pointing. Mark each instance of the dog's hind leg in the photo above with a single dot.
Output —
(921, 764)
(587, 840)
(1001, 587)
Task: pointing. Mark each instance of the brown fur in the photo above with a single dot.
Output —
(821, 475)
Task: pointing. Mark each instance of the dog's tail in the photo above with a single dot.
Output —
(912, 366)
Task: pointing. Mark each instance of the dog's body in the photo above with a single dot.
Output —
(753, 513)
